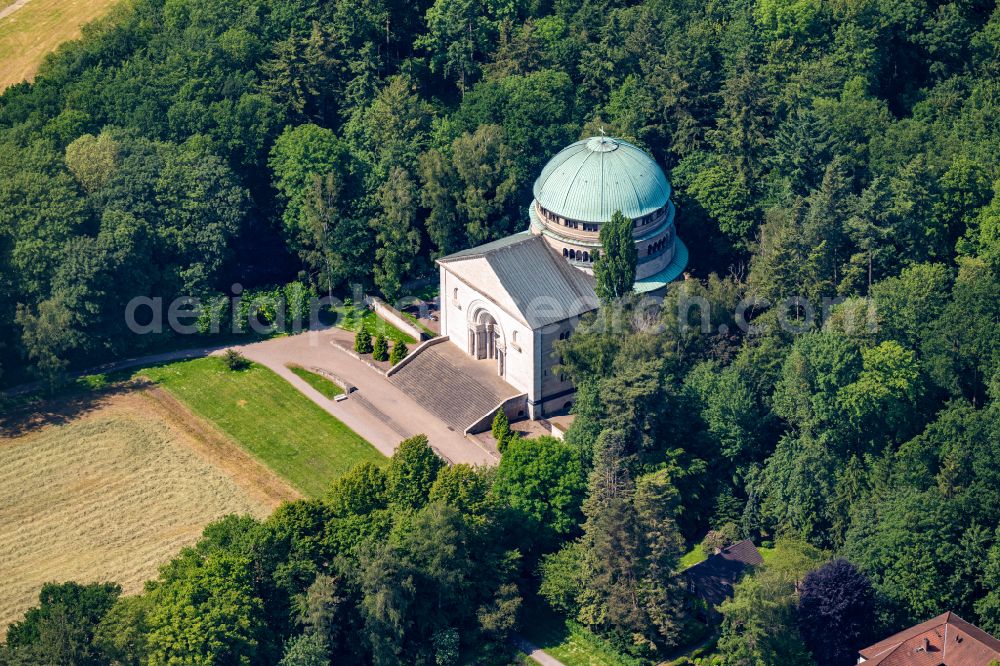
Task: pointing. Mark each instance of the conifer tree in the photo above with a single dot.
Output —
(397, 239)
(501, 430)
(363, 341)
(630, 549)
(615, 268)
(380, 351)
(399, 352)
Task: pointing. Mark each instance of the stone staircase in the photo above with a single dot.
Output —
(451, 385)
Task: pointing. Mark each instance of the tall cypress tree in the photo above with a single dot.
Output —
(615, 269)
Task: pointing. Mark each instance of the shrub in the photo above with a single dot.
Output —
(235, 360)
(712, 542)
(213, 314)
(261, 310)
(381, 349)
(363, 341)
(501, 430)
(836, 612)
(297, 299)
(730, 533)
(399, 352)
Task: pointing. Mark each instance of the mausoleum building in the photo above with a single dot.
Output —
(508, 302)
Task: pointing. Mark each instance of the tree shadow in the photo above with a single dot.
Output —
(62, 408)
(540, 624)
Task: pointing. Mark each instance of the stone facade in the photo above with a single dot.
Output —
(523, 357)
(511, 301)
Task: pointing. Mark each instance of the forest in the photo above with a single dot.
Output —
(841, 151)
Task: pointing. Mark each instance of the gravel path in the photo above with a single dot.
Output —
(534, 652)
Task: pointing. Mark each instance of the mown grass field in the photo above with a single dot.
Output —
(268, 417)
(30, 33)
(110, 494)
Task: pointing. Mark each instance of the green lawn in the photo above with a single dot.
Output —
(693, 557)
(268, 417)
(322, 384)
(419, 324)
(569, 642)
(349, 318)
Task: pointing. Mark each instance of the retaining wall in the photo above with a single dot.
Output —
(409, 357)
(345, 385)
(511, 406)
(396, 318)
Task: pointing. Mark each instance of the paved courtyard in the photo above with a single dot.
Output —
(378, 411)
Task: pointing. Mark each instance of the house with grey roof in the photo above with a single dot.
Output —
(711, 581)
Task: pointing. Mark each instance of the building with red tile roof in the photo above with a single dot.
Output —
(946, 640)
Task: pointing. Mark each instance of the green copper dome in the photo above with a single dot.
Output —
(591, 179)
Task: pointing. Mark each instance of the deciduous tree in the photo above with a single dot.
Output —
(836, 612)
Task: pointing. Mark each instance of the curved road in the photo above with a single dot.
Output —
(366, 411)
(379, 411)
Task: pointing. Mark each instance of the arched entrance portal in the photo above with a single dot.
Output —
(486, 340)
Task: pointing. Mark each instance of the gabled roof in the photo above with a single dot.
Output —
(946, 640)
(525, 277)
(713, 579)
(743, 551)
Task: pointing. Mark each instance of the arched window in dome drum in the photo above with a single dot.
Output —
(565, 252)
(586, 256)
